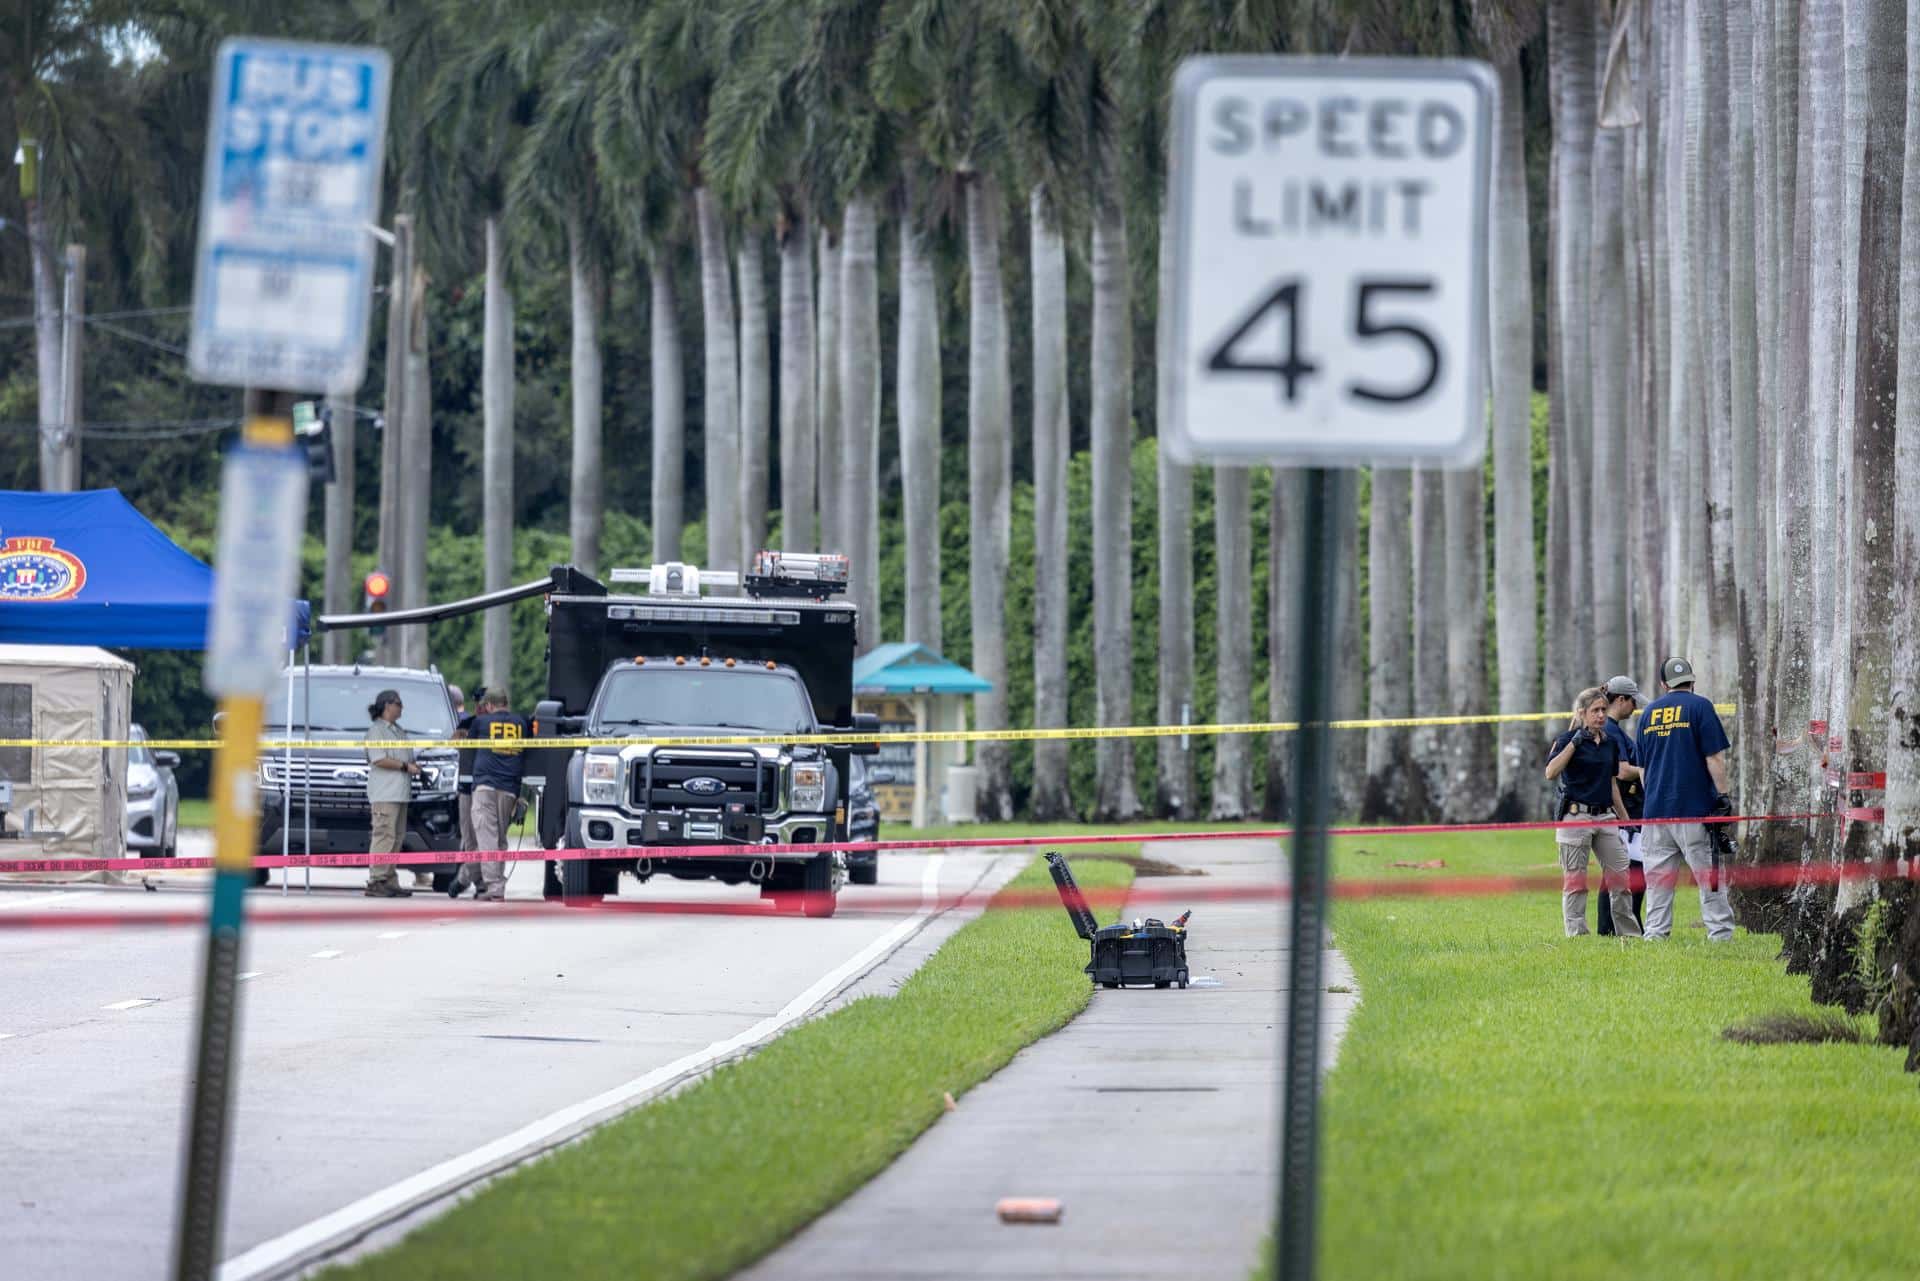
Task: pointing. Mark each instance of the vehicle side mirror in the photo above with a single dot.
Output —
(880, 776)
(862, 722)
(547, 714)
(167, 760)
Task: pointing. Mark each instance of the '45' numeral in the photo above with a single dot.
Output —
(1288, 302)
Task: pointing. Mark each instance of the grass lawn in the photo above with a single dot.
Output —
(705, 1182)
(1513, 1103)
(195, 811)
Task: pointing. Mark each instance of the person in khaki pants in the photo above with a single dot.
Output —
(389, 784)
(497, 767)
(1590, 764)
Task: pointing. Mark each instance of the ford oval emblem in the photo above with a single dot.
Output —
(703, 786)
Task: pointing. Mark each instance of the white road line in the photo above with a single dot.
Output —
(306, 1245)
(327, 954)
(393, 934)
(133, 1004)
(6, 1036)
(250, 974)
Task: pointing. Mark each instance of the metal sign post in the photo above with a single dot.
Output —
(1330, 241)
(282, 290)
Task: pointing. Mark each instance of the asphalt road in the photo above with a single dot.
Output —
(383, 1061)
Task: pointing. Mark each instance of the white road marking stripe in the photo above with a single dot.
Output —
(393, 934)
(250, 974)
(327, 954)
(133, 1004)
(350, 1221)
(6, 1036)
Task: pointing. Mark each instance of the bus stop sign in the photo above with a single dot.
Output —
(1330, 240)
(284, 272)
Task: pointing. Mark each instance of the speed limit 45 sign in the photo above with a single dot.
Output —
(1330, 241)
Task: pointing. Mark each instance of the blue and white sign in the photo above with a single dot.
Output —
(263, 510)
(283, 279)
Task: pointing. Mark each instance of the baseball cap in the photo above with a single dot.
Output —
(1624, 687)
(1676, 671)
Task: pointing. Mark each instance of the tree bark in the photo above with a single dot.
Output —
(720, 398)
(1389, 644)
(496, 460)
(1604, 484)
(1469, 755)
(756, 398)
(669, 385)
(1430, 611)
(827, 474)
(1233, 622)
(586, 509)
(1174, 788)
(989, 482)
(1715, 181)
(860, 389)
(47, 337)
(416, 467)
(918, 375)
(1112, 421)
(1571, 58)
(799, 447)
(1516, 597)
(1052, 798)
(1901, 829)
(336, 647)
(393, 415)
(1283, 637)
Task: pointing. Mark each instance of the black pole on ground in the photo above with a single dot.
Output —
(1312, 780)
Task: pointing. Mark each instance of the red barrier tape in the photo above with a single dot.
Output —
(1147, 893)
(628, 853)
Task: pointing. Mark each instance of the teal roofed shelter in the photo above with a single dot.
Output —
(913, 689)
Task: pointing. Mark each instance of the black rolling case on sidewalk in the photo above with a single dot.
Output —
(1147, 952)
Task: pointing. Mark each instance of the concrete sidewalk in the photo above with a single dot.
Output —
(1152, 1117)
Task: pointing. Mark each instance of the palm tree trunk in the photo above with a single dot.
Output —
(587, 502)
(1233, 604)
(48, 307)
(1115, 796)
(989, 480)
(669, 411)
(918, 374)
(1174, 788)
(1901, 830)
(1605, 481)
(1644, 451)
(1870, 502)
(1715, 182)
(1515, 597)
(799, 449)
(1283, 632)
(827, 415)
(496, 460)
(1389, 643)
(416, 475)
(1749, 328)
(1350, 667)
(1430, 610)
(1572, 61)
(720, 399)
(393, 412)
(1051, 799)
(756, 403)
(1469, 755)
(339, 593)
(860, 389)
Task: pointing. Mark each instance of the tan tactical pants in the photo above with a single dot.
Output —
(389, 821)
(1606, 846)
(492, 816)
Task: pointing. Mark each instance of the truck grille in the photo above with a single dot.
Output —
(660, 782)
(333, 780)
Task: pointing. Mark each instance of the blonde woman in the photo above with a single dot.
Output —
(1587, 763)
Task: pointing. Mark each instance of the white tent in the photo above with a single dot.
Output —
(67, 801)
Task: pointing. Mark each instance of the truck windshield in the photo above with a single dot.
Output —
(693, 696)
(340, 705)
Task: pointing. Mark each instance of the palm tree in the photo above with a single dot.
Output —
(1052, 435)
(1174, 796)
(827, 406)
(1901, 827)
(1389, 642)
(918, 403)
(799, 445)
(755, 396)
(1233, 687)
(860, 405)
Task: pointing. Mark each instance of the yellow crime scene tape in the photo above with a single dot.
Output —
(839, 738)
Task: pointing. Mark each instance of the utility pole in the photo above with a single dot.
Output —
(338, 593)
(416, 471)
(67, 444)
(393, 413)
(46, 315)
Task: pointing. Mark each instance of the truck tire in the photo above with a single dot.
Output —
(864, 873)
(576, 874)
(817, 898)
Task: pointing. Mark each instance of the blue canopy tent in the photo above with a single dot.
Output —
(88, 569)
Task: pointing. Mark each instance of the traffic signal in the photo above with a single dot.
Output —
(378, 587)
(313, 432)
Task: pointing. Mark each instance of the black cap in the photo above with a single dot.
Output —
(1676, 672)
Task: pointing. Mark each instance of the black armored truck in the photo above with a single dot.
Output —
(671, 653)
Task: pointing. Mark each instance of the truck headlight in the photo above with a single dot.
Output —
(439, 778)
(809, 786)
(140, 789)
(601, 775)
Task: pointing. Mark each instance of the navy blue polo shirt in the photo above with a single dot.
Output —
(1589, 775)
(1629, 791)
(499, 765)
(1678, 731)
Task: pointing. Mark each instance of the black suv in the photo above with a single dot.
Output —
(330, 703)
